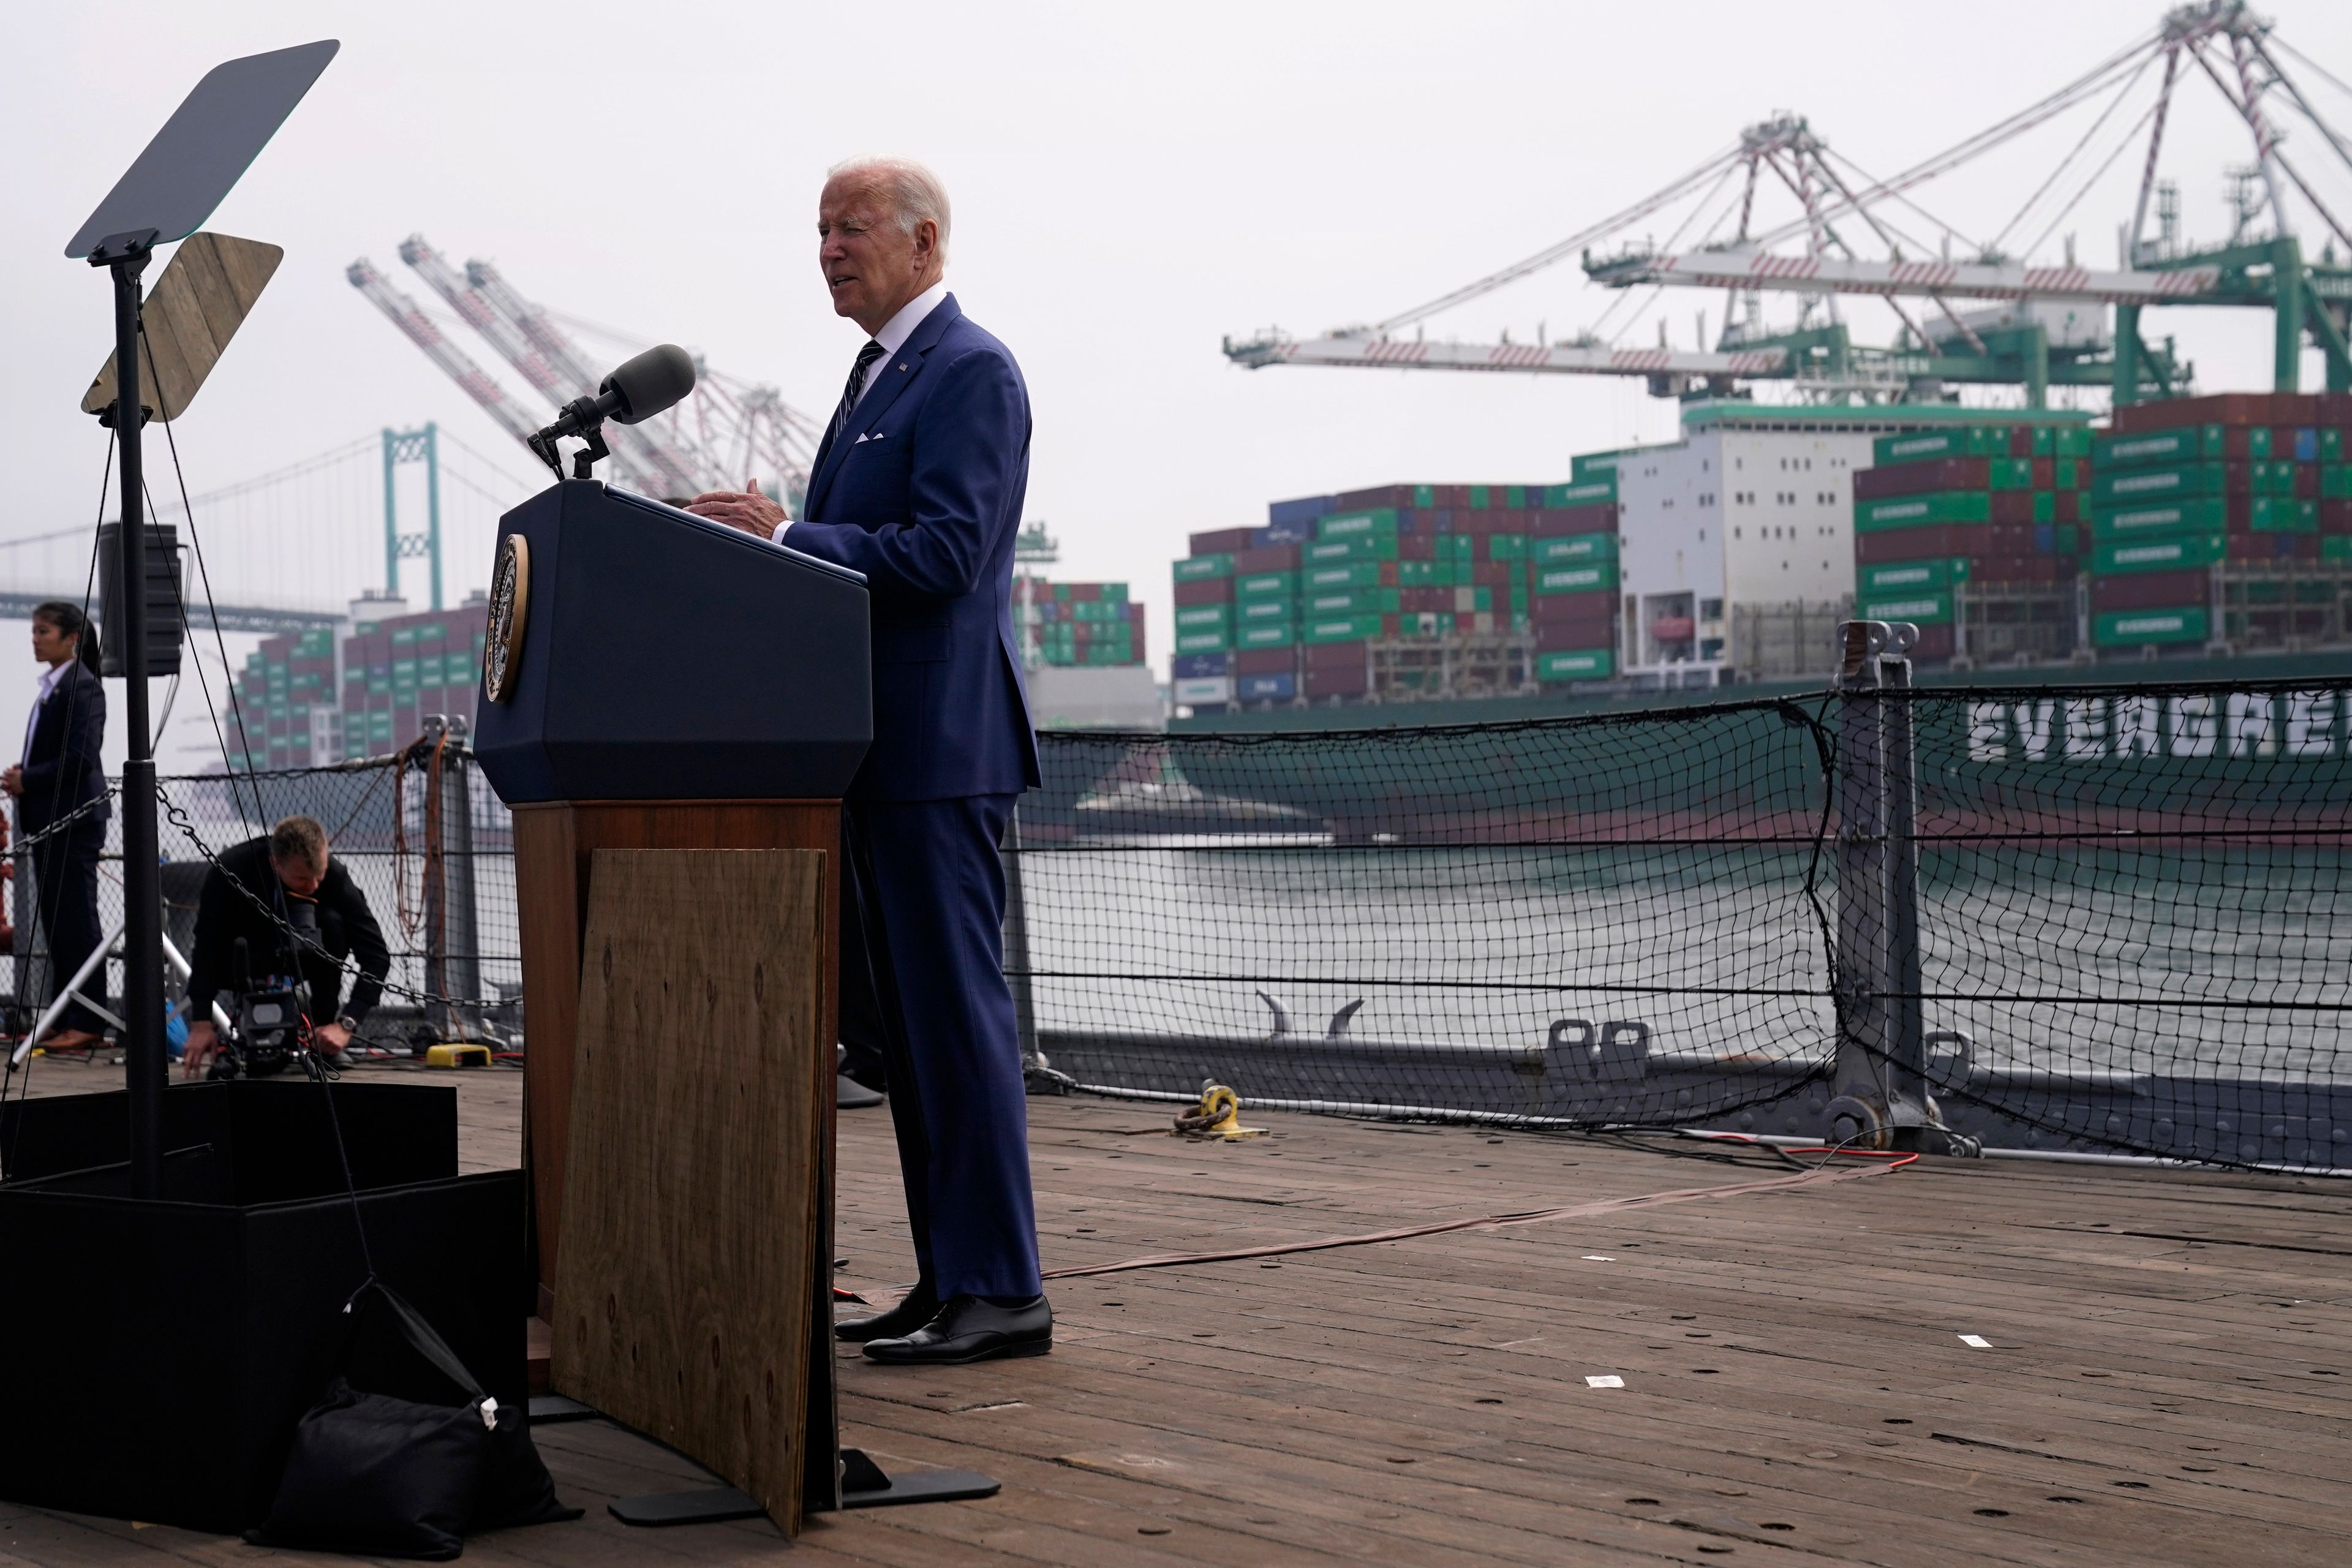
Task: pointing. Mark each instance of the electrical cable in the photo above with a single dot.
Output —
(2096, 175)
(2113, 104)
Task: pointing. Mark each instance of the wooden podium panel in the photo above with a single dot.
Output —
(690, 1270)
(554, 845)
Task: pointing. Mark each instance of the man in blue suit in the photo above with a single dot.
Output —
(919, 484)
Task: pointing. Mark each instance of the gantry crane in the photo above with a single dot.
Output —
(453, 360)
(738, 428)
(2052, 326)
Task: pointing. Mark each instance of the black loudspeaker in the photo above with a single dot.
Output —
(638, 652)
(167, 1348)
(166, 625)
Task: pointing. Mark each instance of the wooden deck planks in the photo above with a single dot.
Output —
(1257, 1411)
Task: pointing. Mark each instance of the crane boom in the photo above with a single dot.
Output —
(452, 360)
(1565, 359)
(672, 467)
(515, 349)
(1848, 274)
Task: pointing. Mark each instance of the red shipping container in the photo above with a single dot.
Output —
(1349, 682)
(1935, 642)
(2011, 508)
(1222, 540)
(2336, 516)
(1568, 636)
(2148, 590)
(1994, 569)
(1205, 591)
(1378, 496)
(2294, 408)
(1417, 547)
(2172, 413)
(1333, 655)
(1562, 522)
(1267, 558)
(2045, 473)
(2269, 546)
(1920, 479)
(1492, 573)
(2069, 509)
(1969, 539)
(1264, 660)
(2306, 481)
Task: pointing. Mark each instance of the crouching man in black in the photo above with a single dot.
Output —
(287, 866)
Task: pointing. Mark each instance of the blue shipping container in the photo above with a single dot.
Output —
(1199, 665)
(1267, 688)
(1297, 531)
(1306, 508)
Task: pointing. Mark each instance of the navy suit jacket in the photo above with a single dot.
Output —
(62, 765)
(922, 491)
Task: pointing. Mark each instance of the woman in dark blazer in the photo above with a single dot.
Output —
(60, 774)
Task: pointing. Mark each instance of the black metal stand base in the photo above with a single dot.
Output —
(548, 1409)
(863, 1485)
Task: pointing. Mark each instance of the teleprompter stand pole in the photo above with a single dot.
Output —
(126, 257)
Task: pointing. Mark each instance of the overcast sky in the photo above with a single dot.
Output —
(1131, 184)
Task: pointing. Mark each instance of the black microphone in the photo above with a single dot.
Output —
(642, 388)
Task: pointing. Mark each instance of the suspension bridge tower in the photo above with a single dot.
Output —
(412, 447)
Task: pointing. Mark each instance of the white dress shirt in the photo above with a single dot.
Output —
(892, 337)
(56, 673)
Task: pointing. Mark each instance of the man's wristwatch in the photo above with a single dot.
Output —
(347, 1024)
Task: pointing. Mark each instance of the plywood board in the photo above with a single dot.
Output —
(196, 307)
(684, 1285)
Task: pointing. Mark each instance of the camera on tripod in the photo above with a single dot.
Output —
(267, 1020)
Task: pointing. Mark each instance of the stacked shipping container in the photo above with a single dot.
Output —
(2182, 487)
(1078, 623)
(1942, 515)
(1293, 609)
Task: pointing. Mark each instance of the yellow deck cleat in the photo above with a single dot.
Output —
(1219, 1115)
(457, 1055)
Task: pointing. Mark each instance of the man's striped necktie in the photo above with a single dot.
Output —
(866, 358)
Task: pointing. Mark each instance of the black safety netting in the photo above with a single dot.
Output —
(428, 843)
(2118, 920)
(2131, 927)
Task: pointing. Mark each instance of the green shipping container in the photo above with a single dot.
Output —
(1920, 446)
(1598, 490)
(2066, 474)
(2045, 506)
(1425, 495)
(2126, 487)
(1195, 568)
(1427, 573)
(1507, 547)
(1350, 601)
(1363, 547)
(2154, 520)
(1595, 466)
(1203, 642)
(2135, 629)
(2009, 474)
(1573, 548)
(2336, 549)
(2282, 514)
(2334, 479)
(1274, 634)
(1597, 578)
(1341, 628)
(2175, 553)
(1587, 664)
(2331, 444)
(1267, 586)
(1920, 609)
(2150, 448)
(2070, 440)
(1257, 612)
(1350, 524)
(1910, 511)
(1355, 574)
(1915, 576)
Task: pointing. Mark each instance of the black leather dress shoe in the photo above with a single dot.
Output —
(919, 1307)
(969, 1329)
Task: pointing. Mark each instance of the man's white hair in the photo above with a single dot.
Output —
(915, 192)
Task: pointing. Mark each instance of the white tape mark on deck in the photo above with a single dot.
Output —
(1976, 1342)
(1606, 1381)
(1596, 1257)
